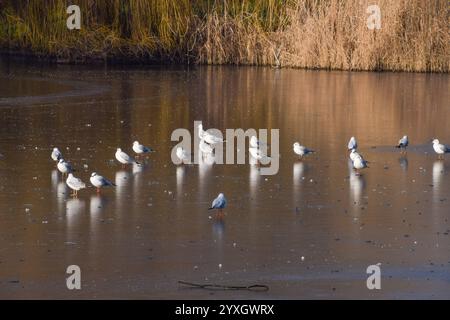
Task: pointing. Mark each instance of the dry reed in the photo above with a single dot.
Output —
(329, 34)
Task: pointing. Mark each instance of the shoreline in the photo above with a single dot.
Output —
(23, 56)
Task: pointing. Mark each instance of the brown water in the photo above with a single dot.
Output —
(153, 229)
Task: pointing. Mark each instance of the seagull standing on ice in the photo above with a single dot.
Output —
(64, 167)
(201, 132)
(258, 155)
(403, 143)
(56, 154)
(219, 203)
(140, 148)
(255, 143)
(123, 158)
(359, 163)
(98, 181)
(75, 184)
(183, 155)
(440, 149)
(209, 138)
(352, 144)
(301, 150)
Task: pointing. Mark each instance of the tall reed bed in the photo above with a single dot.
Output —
(330, 34)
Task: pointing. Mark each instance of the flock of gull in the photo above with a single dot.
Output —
(98, 181)
(206, 146)
(207, 141)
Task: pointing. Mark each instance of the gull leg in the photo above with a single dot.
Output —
(98, 190)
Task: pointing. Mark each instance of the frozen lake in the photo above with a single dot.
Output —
(310, 231)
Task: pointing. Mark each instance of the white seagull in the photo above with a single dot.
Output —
(140, 148)
(183, 155)
(98, 181)
(440, 149)
(301, 150)
(123, 158)
(354, 155)
(201, 132)
(352, 144)
(56, 154)
(75, 184)
(219, 203)
(258, 155)
(255, 143)
(209, 138)
(359, 163)
(64, 167)
(403, 143)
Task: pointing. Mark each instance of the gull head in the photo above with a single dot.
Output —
(296, 144)
(55, 149)
(435, 141)
(353, 150)
(405, 137)
(220, 196)
(93, 174)
(119, 150)
(135, 143)
(61, 160)
(70, 175)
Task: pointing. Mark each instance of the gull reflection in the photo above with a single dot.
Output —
(138, 168)
(298, 172)
(218, 228)
(61, 195)
(403, 161)
(438, 173)
(180, 176)
(121, 179)
(96, 205)
(122, 182)
(254, 178)
(74, 208)
(357, 186)
(205, 164)
(137, 179)
(54, 178)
